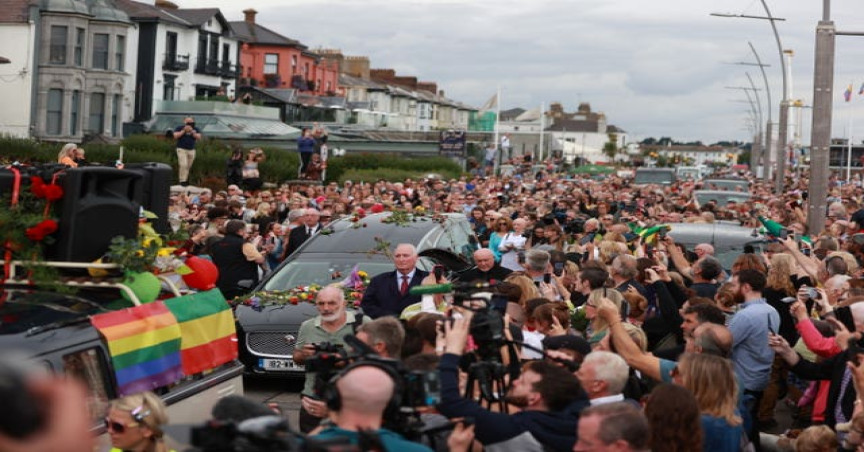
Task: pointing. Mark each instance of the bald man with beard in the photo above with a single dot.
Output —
(364, 393)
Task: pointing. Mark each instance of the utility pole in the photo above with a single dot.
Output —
(823, 101)
(820, 137)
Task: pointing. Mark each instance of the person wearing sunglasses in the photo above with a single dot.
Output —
(134, 423)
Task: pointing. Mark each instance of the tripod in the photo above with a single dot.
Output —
(488, 377)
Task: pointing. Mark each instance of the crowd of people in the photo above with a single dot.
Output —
(612, 340)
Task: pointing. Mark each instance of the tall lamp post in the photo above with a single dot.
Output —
(780, 151)
(756, 149)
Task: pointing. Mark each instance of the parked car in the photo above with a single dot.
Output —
(740, 185)
(656, 176)
(267, 334)
(720, 197)
(728, 240)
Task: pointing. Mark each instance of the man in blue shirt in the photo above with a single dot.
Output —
(186, 136)
(751, 325)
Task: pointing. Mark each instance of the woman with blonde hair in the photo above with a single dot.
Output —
(711, 380)
(597, 328)
(500, 228)
(526, 285)
(66, 156)
(134, 423)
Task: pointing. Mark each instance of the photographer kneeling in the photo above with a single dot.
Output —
(543, 392)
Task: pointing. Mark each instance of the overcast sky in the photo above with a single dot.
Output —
(654, 67)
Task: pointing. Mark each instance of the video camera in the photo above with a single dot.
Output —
(419, 388)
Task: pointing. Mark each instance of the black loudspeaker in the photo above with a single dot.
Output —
(156, 190)
(7, 177)
(99, 203)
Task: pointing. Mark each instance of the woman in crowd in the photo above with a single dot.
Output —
(499, 230)
(67, 155)
(251, 174)
(134, 423)
(712, 381)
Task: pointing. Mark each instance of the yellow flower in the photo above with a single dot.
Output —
(362, 274)
(420, 209)
(165, 252)
(304, 296)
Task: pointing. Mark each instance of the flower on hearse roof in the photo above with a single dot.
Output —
(300, 294)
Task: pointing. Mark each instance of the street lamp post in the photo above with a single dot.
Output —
(784, 104)
(766, 156)
(756, 149)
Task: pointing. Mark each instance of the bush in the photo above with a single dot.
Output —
(211, 156)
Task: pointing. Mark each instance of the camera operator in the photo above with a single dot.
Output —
(331, 325)
(359, 399)
(543, 392)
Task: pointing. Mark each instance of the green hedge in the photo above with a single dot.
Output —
(211, 156)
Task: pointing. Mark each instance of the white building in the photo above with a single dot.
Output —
(16, 77)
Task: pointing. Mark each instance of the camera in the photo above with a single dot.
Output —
(813, 294)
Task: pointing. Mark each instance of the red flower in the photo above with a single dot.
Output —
(377, 208)
(37, 233)
(53, 192)
(37, 186)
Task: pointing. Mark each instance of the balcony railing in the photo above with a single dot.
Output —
(207, 66)
(174, 62)
(229, 70)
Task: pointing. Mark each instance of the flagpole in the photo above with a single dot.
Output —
(497, 114)
(542, 152)
(849, 148)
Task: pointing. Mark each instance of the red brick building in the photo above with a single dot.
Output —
(270, 60)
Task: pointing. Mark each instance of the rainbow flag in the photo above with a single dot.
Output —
(206, 322)
(144, 344)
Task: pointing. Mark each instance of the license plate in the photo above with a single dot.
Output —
(279, 365)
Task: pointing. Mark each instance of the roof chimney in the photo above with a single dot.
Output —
(250, 15)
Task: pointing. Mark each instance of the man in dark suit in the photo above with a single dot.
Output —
(387, 293)
(308, 227)
(486, 270)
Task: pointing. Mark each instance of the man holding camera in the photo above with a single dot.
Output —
(186, 136)
(331, 325)
(543, 392)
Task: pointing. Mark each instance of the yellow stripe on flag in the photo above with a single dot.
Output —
(117, 332)
(147, 339)
(207, 329)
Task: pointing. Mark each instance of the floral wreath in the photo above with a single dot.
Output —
(352, 287)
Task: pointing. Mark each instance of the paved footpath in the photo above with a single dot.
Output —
(283, 392)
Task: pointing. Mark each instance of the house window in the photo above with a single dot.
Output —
(79, 47)
(306, 70)
(100, 51)
(97, 113)
(168, 90)
(271, 63)
(57, 50)
(54, 117)
(293, 64)
(120, 53)
(74, 111)
(115, 115)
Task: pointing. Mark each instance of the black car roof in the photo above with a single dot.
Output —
(40, 321)
(348, 236)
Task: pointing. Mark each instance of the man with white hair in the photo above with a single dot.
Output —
(388, 293)
(603, 376)
(331, 325)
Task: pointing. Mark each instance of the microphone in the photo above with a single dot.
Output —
(431, 289)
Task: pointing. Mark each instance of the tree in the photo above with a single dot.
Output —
(611, 146)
